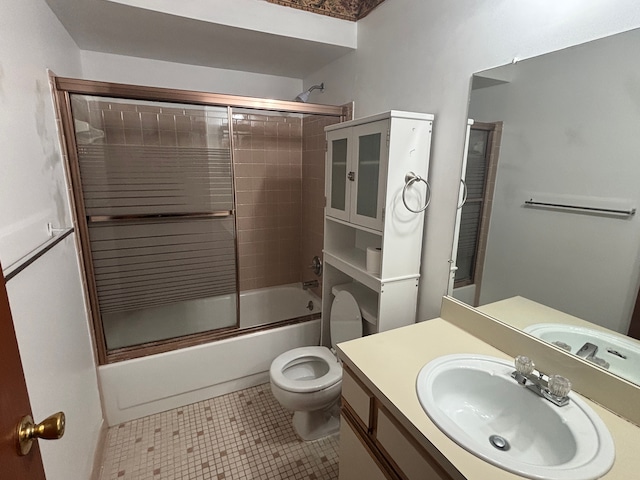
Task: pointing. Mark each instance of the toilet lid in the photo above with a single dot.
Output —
(345, 320)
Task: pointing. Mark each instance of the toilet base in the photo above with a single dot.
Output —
(317, 424)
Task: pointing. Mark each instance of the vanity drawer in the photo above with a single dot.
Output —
(358, 397)
(413, 463)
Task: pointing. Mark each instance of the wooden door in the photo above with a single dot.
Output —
(14, 402)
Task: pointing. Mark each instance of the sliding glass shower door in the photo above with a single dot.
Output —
(157, 192)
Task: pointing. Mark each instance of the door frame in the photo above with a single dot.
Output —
(494, 130)
(634, 326)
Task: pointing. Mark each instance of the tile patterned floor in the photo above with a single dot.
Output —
(242, 435)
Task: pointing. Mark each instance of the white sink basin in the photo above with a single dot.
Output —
(621, 355)
(476, 403)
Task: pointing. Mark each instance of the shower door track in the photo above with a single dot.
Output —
(138, 92)
(63, 88)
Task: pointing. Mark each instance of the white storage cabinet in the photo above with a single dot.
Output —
(367, 164)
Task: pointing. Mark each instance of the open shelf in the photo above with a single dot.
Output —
(353, 225)
(352, 261)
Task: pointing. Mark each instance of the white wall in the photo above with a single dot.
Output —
(570, 136)
(143, 71)
(46, 298)
(420, 56)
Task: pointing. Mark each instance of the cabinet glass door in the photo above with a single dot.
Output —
(337, 172)
(368, 189)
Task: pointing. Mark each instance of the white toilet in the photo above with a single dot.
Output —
(308, 380)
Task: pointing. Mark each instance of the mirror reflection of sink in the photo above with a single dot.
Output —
(619, 355)
(474, 400)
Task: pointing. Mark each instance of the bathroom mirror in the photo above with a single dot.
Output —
(553, 178)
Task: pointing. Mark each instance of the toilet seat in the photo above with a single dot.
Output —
(299, 355)
(346, 321)
(345, 324)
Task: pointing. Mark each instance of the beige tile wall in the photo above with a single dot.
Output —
(313, 165)
(268, 171)
(279, 174)
(145, 124)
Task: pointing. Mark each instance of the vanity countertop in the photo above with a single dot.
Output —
(388, 364)
(520, 312)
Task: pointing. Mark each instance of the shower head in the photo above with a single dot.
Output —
(304, 96)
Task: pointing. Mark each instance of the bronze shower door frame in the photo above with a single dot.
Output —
(63, 89)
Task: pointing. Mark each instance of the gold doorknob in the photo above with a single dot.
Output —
(51, 428)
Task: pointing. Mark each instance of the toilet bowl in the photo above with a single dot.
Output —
(308, 380)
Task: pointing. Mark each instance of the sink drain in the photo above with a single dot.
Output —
(499, 442)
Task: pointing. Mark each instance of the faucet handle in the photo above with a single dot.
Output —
(316, 266)
(559, 386)
(524, 365)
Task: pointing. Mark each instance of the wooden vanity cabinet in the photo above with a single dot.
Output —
(357, 461)
(373, 443)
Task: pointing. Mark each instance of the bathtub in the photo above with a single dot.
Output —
(143, 386)
(257, 307)
(273, 304)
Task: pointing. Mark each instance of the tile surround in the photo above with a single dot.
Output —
(279, 175)
(313, 168)
(242, 435)
(268, 173)
(145, 124)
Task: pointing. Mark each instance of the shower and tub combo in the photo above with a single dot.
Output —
(142, 386)
(197, 217)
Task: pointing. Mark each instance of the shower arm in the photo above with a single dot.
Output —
(317, 87)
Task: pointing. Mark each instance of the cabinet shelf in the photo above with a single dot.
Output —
(353, 226)
(353, 263)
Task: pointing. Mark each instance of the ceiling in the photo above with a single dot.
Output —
(112, 26)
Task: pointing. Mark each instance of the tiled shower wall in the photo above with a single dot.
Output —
(139, 123)
(268, 172)
(279, 168)
(279, 171)
(313, 166)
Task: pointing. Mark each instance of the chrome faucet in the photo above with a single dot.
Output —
(555, 388)
(588, 351)
(310, 284)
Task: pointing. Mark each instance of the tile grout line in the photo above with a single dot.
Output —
(242, 435)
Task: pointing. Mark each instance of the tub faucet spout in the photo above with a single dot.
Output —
(310, 284)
